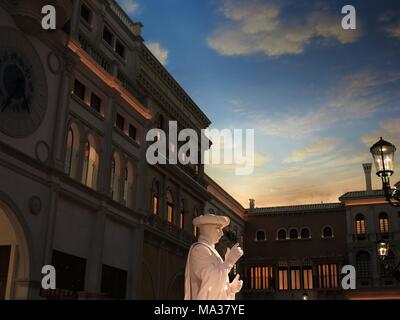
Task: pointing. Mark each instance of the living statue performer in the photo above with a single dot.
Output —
(206, 274)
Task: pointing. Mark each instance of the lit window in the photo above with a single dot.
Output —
(260, 277)
(156, 195)
(383, 222)
(327, 275)
(283, 278)
(170, 207)
(360, 224)
(295, 278)
(90, 164)
(307, 278)
(195, 214)
(182, 216)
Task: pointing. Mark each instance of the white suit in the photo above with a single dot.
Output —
(206, 274)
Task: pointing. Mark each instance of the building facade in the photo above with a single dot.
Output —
(295, 250)
(76, 190)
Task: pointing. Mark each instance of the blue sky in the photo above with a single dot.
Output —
(316, 95)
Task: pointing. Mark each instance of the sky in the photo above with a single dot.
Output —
(316, 95)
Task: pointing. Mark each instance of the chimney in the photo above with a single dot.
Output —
(367, 171)
(252, 202)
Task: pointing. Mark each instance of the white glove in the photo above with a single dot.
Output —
(233, 255)
(236, 285)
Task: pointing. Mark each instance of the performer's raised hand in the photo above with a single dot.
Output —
(232, 255)
(236, 285)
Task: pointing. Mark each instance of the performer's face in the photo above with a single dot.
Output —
(213, 232)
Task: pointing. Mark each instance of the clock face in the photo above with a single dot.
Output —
(23, 87)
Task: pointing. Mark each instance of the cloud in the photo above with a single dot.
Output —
(317, 148)
(130, 6)
(356, 96)
(393, 31)
(253, 26)
(160, 53)
(389, 130)
(295, 126)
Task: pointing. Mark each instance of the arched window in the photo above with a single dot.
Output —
(156, 198)
(360, 224)
(182, 215)
(281, 234)
(170, 207)
(363, 265)
(129, 185)
(90, 163)
(260, 235)
(72, 151)
(327, 232)
(293, 233)
(116, 182)
(383, 222)
(305, 233)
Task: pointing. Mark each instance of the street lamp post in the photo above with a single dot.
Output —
(383, 155)
(382, 247)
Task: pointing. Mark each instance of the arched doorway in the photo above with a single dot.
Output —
(14, 257)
